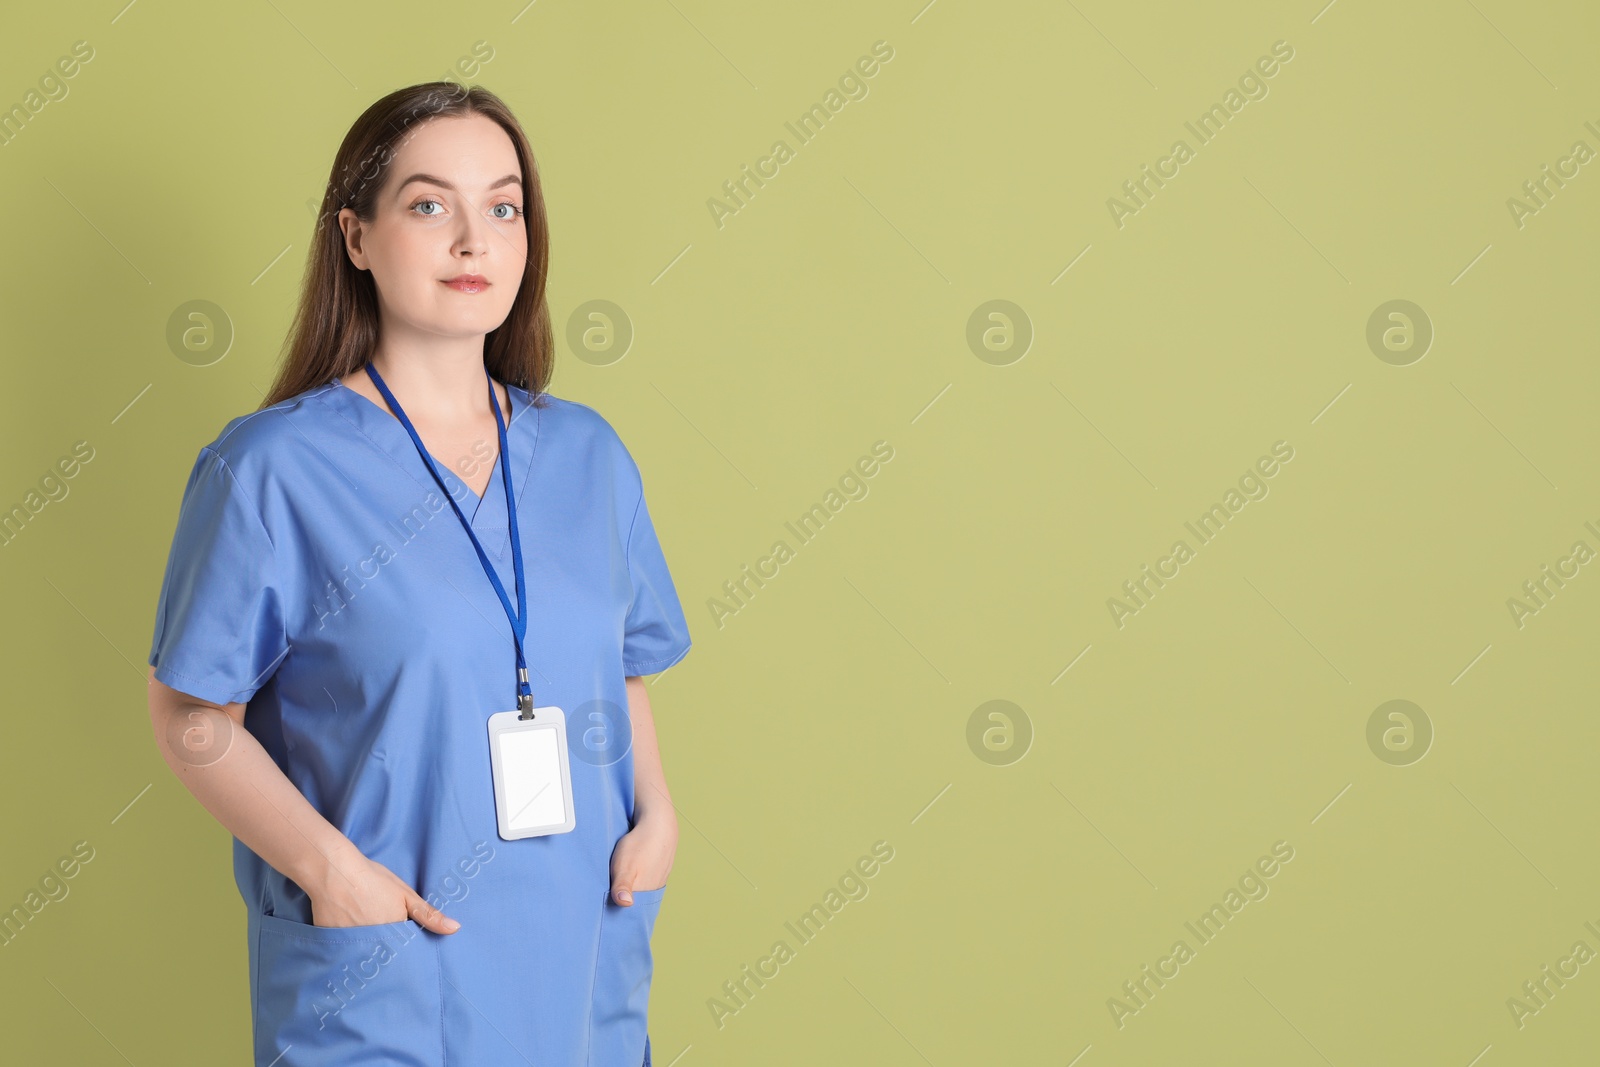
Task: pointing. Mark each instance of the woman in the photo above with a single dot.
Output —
(339, 621)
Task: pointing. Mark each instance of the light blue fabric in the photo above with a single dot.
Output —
(317, 573)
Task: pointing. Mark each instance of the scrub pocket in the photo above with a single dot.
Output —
(622, 980)
(347, 995)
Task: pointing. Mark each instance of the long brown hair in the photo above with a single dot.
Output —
(335, 330)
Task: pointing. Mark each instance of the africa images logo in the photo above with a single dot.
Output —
(1252, 485)
(1252, 85)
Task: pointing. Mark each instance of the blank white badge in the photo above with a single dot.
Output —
(532, 775)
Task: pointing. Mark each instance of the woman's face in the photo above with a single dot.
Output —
(451, 205)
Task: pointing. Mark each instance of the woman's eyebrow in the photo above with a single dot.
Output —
(509, 179)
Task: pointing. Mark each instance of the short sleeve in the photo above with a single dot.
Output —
(657, 636)
(220, 629)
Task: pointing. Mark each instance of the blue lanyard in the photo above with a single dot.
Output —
(519, 618)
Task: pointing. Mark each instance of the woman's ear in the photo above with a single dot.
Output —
(351, 227)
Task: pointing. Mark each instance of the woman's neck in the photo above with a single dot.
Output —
(444, 388)
(447, 386)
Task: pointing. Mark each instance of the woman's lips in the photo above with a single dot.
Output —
(468, 283)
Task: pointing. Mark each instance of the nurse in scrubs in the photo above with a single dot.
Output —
(352, 566)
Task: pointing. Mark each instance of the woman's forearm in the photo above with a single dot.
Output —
(650, 796)
(234, 778)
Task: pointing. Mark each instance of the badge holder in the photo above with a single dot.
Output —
(532, 772)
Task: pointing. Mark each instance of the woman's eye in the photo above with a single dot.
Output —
(514, 213)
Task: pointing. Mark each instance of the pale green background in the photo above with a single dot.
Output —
(825, 316)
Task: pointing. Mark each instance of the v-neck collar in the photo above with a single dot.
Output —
(384, 430)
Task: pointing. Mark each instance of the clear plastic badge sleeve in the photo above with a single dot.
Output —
(532, 774)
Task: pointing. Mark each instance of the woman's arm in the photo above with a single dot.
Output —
(643, 858)
(233, 777)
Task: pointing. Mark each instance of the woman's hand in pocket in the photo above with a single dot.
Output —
(358, 891)
(643, 856)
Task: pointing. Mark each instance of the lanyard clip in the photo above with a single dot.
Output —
(524, 699)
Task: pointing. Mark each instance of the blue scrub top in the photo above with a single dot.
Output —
(318, 575)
